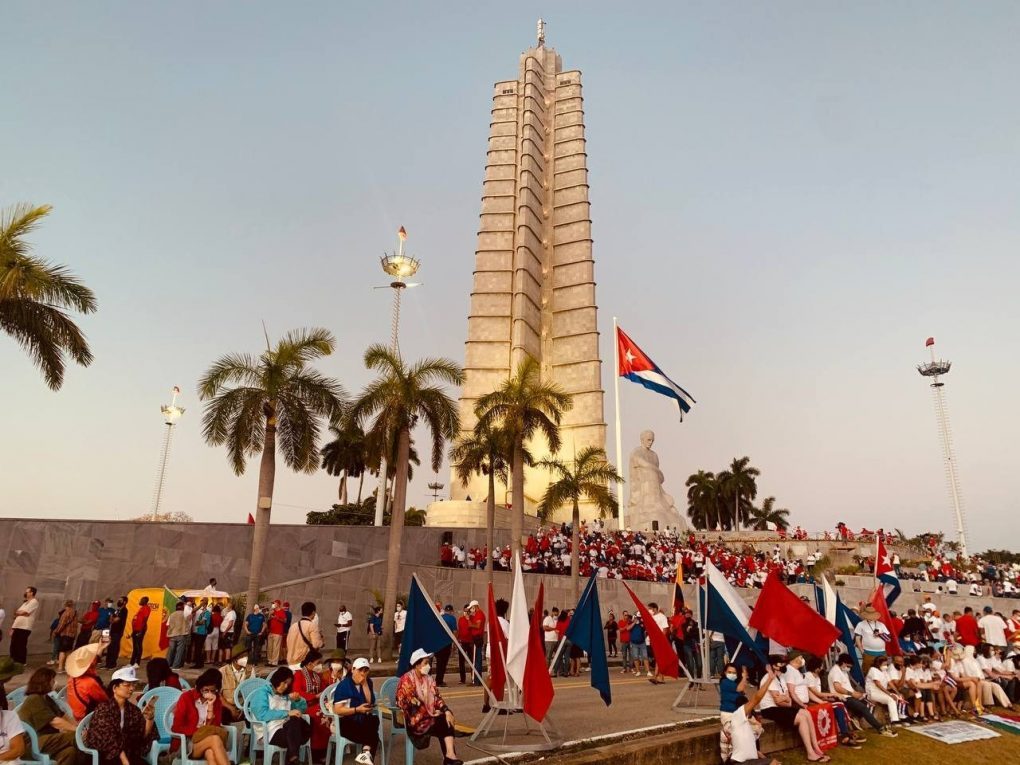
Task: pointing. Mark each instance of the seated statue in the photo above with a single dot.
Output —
(648, 500)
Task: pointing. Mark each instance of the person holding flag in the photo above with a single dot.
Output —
(871, 637)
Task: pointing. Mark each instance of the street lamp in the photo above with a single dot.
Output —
(171, 414)
(401, 267)
(435, 487)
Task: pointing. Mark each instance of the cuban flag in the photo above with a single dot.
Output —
(637, 367)
(723, 610)
(885, 572)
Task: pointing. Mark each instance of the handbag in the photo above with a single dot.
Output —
(209, 730)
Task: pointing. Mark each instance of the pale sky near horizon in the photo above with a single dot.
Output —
(787, 199)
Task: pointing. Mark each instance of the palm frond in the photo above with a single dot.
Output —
(239, 368)
(47, 334)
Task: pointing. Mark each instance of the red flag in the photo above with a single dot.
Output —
(929, 342)
(878, 601)
(497, 651)
(883, 562)
(787, 619)
(251, 519)
(538, 687)
(666, 660)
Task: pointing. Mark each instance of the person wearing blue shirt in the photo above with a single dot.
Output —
(281, 712)
(443, 655)
(731, 689)
(354, 704)
(105, 615)
(638, 649)
(254, 632)
(374, 633)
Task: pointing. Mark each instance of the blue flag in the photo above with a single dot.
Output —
(846, 620)
(423, 629)
(585, 631)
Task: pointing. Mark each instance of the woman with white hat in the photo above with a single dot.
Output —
(120, 730)
(85, 690)
(426, 715)
(354, 704)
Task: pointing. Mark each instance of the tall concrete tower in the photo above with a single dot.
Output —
(534, 278)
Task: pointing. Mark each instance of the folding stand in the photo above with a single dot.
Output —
(510, 706)
(706, 681)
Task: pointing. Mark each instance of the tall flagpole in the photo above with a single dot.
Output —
(619, 441)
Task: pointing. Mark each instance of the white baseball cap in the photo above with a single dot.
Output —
(125, 675)
(361, 663)
(418, 655)
(472, 604)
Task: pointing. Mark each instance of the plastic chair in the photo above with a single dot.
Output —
(241, 692)
(63, 703)
(337, 745)
(62, 698)
(79, 738)
(166, 698)
(259, 740)
(387, 698)
(182, 740)
(36, 755)
(15, 697)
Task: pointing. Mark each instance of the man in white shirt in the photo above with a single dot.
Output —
(344, 621)
(399, 620)
(854, 700)
(228, 620)
(21, 627)
(552, 638)
(993, 628)
(663, 624)
(12, 738)
(870, 637)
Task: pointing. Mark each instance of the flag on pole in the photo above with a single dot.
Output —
(784, 617)
(879, 602)
(929, 342)
(585, 631)
(637, 367)
(520, 626)
(537, 688)
(830, 603)
(722, 610)
(423, 629)
(885, 572)
(251, 519)
(169, 605)
(497, 651)
(846, 620)
(678, 589)
(666, 660)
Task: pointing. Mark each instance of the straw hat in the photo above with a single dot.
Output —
(79, 660)
(869, 612)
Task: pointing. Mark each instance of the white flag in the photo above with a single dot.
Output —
(517, 640)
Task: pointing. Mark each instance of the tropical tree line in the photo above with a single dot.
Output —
(725, 500)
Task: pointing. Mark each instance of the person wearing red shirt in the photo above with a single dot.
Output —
(201, 707)
(476, 625)
(84, 687)
(624, 626)
(967, 628)
(464, 638)
(308, 684)
(139, 625)
(277, 628)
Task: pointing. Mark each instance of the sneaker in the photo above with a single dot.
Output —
(889, 733)
(51, 662)
(365, 758)
(650, 674)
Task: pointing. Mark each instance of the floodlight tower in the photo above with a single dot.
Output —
(935, 369)
(171, 414)
(401, 267)
(435, 487)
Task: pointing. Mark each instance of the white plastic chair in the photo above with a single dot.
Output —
(337, 745)
(259, 740)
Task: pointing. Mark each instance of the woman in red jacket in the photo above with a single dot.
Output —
(199, 716)
(308, 684)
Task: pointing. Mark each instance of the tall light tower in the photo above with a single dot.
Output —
(401, 267)
(934, 369)
(171, 414)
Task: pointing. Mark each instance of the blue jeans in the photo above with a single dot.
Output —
(175, 653)
(254, 645)
(692, 659)
(716, 658)
(625, 654)
(479, 646)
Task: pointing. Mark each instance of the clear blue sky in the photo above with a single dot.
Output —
(787, 198)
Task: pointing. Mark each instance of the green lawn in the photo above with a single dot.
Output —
(914, 749)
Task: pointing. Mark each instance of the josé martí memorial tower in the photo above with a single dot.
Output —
(534, 276)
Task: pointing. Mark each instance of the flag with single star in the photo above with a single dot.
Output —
(885, 572)
(637, 367)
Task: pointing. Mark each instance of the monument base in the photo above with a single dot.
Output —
(469, 514)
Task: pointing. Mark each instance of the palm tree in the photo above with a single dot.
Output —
(761, 517)
(524, 406)
(589, 477)
(486, 450)
(738, 487)
(35, 296)
(252, 400)
(345, 455)
(395, 401)
(703, 500)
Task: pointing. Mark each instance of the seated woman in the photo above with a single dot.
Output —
(964, 686)
(54, 731)
(85, 690)
(119, 730)
(199, 716)
(308, 684)
(732, 689)
(813, 687)
(777, 705)
(880, 693)
(282, 710)
(354, 704)
(426, 715)
(159, 675)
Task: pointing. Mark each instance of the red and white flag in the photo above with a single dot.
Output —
(929, 342)
(520, 626)
(892, 646)
(537, 687)
(497, 651)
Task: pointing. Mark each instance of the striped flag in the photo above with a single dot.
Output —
(678, 590)
(637, 367)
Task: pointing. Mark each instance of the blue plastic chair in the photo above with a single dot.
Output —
(241, 692)
(62, 702)
(166, 698)
(36, 755)
(79, 738)
(337, 745)
(182, 741)
(15, 697)
(387, 698)
(259, 741)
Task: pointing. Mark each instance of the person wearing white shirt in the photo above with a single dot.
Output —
(876, 686)
(870, 637)
(813, 694)
(996, 671)
(12, 738)
(399, 622)
(777, 705)
(739, 733)
(663, 624)
(952, 587)
(344, 622)
(854, 700)
(21, 627)
(993, 628)
(975, 590)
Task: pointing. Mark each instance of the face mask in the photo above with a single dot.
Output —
(242, 662)
(335, 666)
(731, 675)
(109, 605)
(425, 669)
(209, 695)
(317, 668)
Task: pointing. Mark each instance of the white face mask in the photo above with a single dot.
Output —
(425, 668)
(731, 675)
(335, 666)
(317, 668)
(242, 662)
(936, 665)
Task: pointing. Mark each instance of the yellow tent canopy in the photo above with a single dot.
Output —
(162, 600)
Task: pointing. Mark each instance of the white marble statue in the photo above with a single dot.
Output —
(648, 500)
